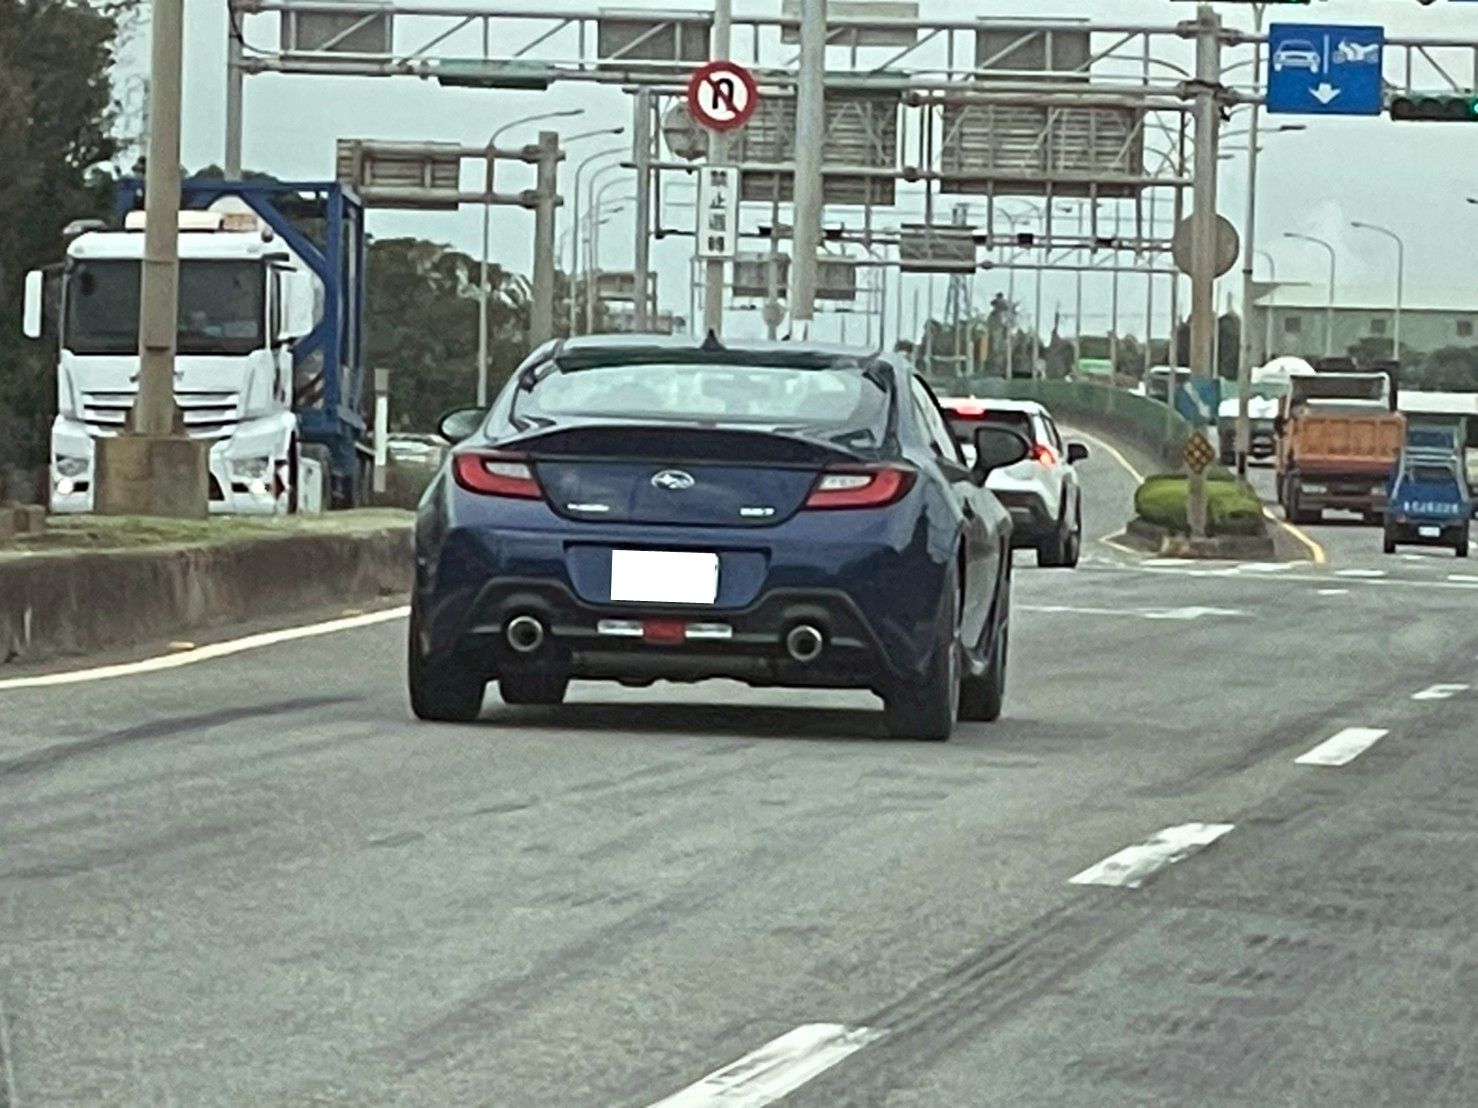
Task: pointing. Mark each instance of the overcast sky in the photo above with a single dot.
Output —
(1413, 178)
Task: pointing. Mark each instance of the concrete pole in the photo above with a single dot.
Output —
(382, 430)
(810, 137)
(1267, 315)
(541, 306)
(641, 140)
(1249, 255)
(482, 287)
(1036, 367)
(1203, 228)
(154, 468)
(235, 90)
(1172, 355)
(718, 154)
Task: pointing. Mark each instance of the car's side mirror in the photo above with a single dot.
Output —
(1076, 452)
(997, 446)
(460, 424)
(32, 317)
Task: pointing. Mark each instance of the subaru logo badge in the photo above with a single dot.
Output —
(673, 480)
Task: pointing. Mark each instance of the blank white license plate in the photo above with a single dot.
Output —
(1429, 532)
(664, 577)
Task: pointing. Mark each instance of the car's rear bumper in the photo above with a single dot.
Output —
(1449, 531)
(1031, 520)
(879, 609)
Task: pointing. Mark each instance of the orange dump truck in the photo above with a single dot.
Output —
(1339, 434)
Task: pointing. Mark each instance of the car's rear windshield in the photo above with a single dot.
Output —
(964, 426)
(1432, 474)
(850, 397)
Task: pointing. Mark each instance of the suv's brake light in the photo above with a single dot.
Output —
(494, 474)
(860, 487)
(1043, 453)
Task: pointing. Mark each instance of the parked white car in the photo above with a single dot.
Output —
(1042, 493)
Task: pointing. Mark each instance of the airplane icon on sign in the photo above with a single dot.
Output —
(1356, 52)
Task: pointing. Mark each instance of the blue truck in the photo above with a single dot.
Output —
(1428, 501)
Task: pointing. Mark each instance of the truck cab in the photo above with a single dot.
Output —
(1428, 502)
(244, 298)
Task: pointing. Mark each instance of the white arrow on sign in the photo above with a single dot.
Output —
(1324, 92)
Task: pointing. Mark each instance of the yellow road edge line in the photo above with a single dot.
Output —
(1314, 549)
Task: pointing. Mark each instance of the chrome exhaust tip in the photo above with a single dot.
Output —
(804, 642)
(525, 634)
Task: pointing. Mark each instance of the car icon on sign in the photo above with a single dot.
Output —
(1297, 53)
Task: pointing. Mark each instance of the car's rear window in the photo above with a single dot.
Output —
(964, 426)
(847, 396)
(1432, 474)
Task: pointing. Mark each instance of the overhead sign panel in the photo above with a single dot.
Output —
(861, 131)
(1009, 148)
(858, 9)
(923, 248)
(402, 175)
(1325, 69)
(328, 32)
(624, 38)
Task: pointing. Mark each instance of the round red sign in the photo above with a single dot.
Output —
(722, 95)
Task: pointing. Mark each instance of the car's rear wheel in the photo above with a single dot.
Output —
(927, 710)
(533, 687)
(445, 690)
(1059, 550)
(1464, 540)
(1389, 543)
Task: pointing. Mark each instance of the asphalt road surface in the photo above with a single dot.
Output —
(1220, 851)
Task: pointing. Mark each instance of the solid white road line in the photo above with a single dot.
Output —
(1440, 692)
(1140, 613)
(203, 653)
(1343, 747)
(776, 1069)
(1334, 592)
(1134, 865)
(1366, 573)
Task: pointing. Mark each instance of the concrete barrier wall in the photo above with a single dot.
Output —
(54, 604)
(1115, 412)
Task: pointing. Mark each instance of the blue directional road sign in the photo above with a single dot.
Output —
(1198, 398)
(1325, 69)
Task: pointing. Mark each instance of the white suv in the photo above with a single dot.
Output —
(1042, 493)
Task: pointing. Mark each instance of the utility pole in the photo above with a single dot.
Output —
(1203, 228)
(641, 141)
(541, 306)
(718, 154)
(154, 468)
(810, 136)
(1249, 255)
(235, 86)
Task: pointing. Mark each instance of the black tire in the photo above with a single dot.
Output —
(444, 690)
(1053, 551)
(294, 479)
(1389, 540)
(533, 687)
(983, 698)
(1464, 540)
(927, 711)
(1372, 519)
(1075, 538)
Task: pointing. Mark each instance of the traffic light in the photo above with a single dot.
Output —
(1436, 107)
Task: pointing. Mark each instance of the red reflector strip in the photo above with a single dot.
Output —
(845, 488)
(664, 632)
(496, 475)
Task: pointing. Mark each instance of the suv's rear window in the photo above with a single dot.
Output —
(964, 428)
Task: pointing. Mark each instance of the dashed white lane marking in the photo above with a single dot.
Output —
(1265, 567)
(203, 653)
(1371, 573)
(1334, 592)
(1159, 563)
(776, 1069)
(1139, 613)
(1343, 747)
(1439, 692)
(1465, 578)
(1134, 865)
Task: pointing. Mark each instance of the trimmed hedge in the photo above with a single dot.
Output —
(1232, 508)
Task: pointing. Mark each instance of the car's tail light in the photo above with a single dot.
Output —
(496, 475)
(873, 487)
(1043, 453)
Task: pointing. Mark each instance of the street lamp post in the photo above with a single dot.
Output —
(487, 210)
(1329, 310)
(590, 275)
(1400, 276)
(610, 151)
(1267, 342)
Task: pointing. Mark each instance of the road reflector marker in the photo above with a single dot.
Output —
(1439, 692)
(1134, 865)
(1343, 747)
(776, 1069)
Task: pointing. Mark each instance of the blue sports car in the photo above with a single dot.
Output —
(641, 508)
